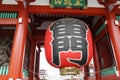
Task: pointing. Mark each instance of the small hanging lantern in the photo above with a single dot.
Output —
(68, 44)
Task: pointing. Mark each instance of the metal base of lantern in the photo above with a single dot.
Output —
(69, 71)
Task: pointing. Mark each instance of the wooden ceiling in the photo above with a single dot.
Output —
(38, 19)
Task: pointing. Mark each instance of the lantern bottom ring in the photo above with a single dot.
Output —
(69, 71)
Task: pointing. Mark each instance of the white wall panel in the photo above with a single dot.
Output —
(94, 3)
(40, 2)
(9, 2)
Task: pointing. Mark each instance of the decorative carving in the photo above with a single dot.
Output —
(5, 51)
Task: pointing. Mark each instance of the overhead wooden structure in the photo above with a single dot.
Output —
(25, 19)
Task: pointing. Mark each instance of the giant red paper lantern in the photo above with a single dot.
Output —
(68, 43)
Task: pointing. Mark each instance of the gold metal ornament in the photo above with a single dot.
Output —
(69, 71)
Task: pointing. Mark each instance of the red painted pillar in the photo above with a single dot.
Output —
(96, 63)
(0, 2)
(114, 33)
(32, 59)
(86, 73)
(37, 63)
(18, 48)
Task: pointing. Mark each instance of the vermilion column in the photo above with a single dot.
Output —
(18, 48)
(114, 33)
(37, 63)
(96, 64)
(32, 60)
(86, 73)
(0, 2)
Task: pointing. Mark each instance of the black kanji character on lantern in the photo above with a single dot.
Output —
(69, 34)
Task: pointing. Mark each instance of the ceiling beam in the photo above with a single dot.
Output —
(9, 8)
(90, 11)
(8, 22)
(47, 10)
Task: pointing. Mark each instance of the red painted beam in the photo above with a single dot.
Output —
(32, 58)
(96, 63)
(8, 22)
(114, 33)
(100, 35)
(37, 64)
(32, 27)
(117, 11)
(11, 8)
(119, 23)
(91, 78)
(4, 77)
(0, 2)
(97, 25)
(86, 72)
(109, 77)
(39, 36)
(21, 3)
(47, 10)
(30, 36)
(20, 36)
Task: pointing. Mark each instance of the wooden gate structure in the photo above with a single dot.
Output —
(20, 22)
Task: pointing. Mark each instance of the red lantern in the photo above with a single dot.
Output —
(68, 43)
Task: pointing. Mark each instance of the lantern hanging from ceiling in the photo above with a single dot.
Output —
(68, 43)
